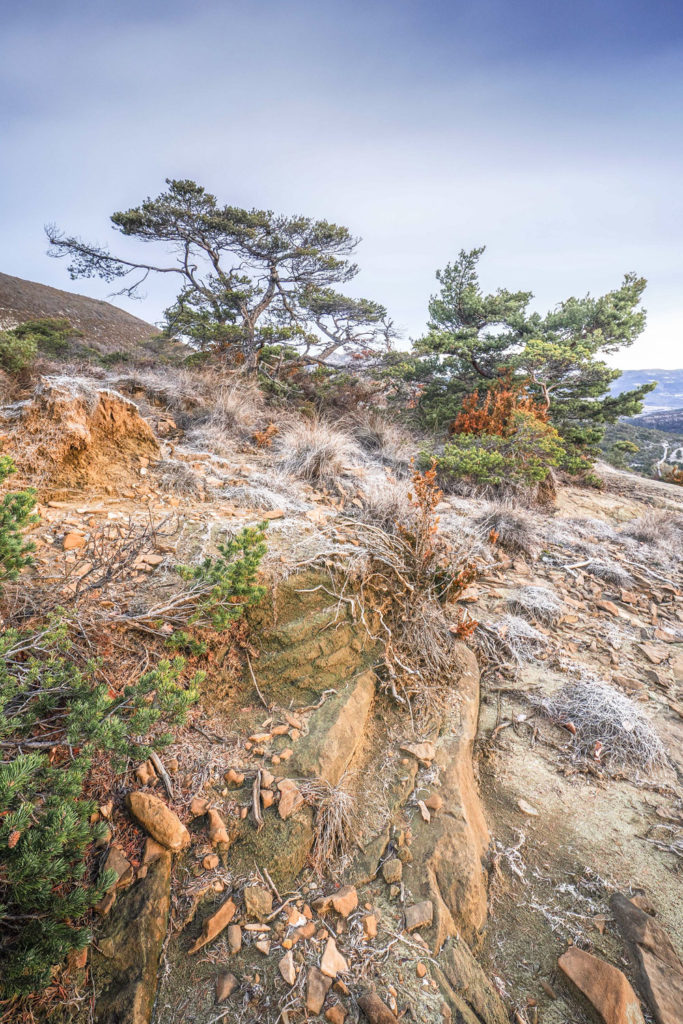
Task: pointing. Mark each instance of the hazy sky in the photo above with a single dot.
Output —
(549, 131)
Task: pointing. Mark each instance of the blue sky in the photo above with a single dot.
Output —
(551, 132)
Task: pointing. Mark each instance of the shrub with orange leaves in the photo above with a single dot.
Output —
(494, 413)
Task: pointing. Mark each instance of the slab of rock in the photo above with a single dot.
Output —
(419, 915)
(117, 862)
(258, 902)
(335, 1014)
(225, 986)
(375, 1010)
(605, 987)
(217, 830)
(333, 963)
(263, 946)
(346, 900)
(317, 988)
(287, 968)
(234, 938)
(392, 870)
(160, 821)
(73, 541)
(424, 752)
(215, 924)
(126, 959)
(290, 798)
(659, 967)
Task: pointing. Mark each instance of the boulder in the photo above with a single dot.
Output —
(660, 971)
(605, 987)
(160, 821)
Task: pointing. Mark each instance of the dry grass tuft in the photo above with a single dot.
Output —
(381, 437)
(653, 528)
(512, 639)
(385, 504)
(515, 530)
(336, 824)
(537, 603)
(609, 725)
(315, 451)
(178, 478)
(610, 571)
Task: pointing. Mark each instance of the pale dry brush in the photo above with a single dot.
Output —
(516, 530)
(317, 452)
(537, 603)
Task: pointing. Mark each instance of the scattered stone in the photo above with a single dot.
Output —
(548, 989)
(420, 969)
(258, 901)
(263, 946)
(317, 988)
(210, 861)
(526, 808)
(145, 773)
(73, 541)
(424, 752)
(370, 926)
(215, 924)
(333, 963)
(434, 803)
(290, 798)
(651, 653)
(199, 806)
(267, 779)
(160, 821)
(260, 737)
(392, 870)
(280, 730)
(307, 931)
(426, 816)
(375, 1010)
(345, 900)
(234, 938)
(267, 798)
(225, 986)
(335, 1014)
(659, 966)
(233, 777)
(604, 986)
(120, 864)
(608, 606)
(217, 830)
(419, 915)
(286, 754)
(287, 968)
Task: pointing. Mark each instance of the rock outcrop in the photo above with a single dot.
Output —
(660, 971)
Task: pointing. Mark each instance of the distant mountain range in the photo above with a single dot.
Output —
(667, 395)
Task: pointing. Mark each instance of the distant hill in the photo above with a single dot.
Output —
(668, 420)
(667, 395)
(106, 329)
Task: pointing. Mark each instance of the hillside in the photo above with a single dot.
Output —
(667, 395)
(104, 327)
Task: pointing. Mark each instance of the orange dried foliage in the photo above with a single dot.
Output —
(494, 412)
(264, 438)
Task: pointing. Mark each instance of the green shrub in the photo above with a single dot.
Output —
(523, 458)
(17, 353)
(16, 509)
(53, 719)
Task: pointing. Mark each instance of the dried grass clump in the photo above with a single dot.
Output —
(315, 451)
(609, 725)
(336, 824)
(516, 531)
(609, 571)
(236, 412)
(516, 639)
(381, 437)
(653, 528)
(178, 478)
(385, 503)
(537, 603)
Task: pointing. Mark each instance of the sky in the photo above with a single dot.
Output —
(551, 132)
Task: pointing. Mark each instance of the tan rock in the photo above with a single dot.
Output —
(118, 863)
(419, 915)
(267, 798)
(317, 988)
(335, 1014)
(370, 926)
(210, 861)
(234, 938)
(659, 966)
(199, 807)
(267, 779)
(375, 1010)
(290, 798)
(434, 802)
(263, 946)
(280, 730)
(233, 777)
(346, 900)
(527, 808)
(392, 870)
(424, 752)
(73, 541)
(217, 830)
(215, 924)
(260, 737)
(145, 773)
(160, 821)
(420, 969)
(333, 963)
(225, 986)
(287, 968)
(608, 606)
(604, 986)
(258, 901)
(307, 931)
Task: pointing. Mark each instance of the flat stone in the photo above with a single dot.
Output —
(317, 988)
(608, 606)
(263, 946)
(335, 1014)
(605, 987)
(419, 915)
(217, 830)
(287, 968)
(424, 752)
(333, 963)
(290, 798)
(375, 1010)
(346, 900)
(225, 986)
(527, 808)
(392, 870)
(234, 938)
(215, 924)
(73, 541)
(370, 926)
(659, 967)
(258, 902)
(160, 821)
